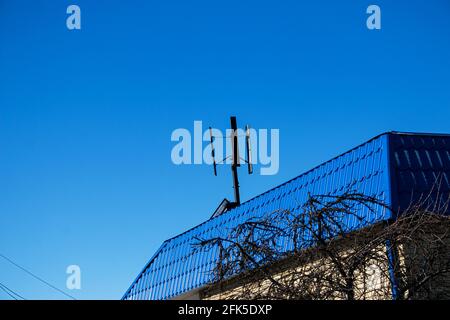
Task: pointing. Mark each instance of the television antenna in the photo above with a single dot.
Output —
(235, 158)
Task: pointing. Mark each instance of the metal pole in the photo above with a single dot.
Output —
(235, 159)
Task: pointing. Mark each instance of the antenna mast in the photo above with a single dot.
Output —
(235, 160)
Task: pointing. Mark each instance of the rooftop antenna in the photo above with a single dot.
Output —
(235, 158)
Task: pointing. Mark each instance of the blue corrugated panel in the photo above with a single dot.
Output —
(421, 166)
(405, 163)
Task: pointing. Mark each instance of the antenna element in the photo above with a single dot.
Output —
(249, 150)
(213, 151)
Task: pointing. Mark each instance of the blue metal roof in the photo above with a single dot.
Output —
(421, 167)
(395, 167)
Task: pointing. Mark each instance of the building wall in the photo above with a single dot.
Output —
(428, 250)
(427, 253)
(372, 280)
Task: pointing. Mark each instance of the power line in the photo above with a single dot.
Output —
(37, 277)
(7, 292)
(10, 292)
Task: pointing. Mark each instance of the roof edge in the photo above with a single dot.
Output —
(145, 268)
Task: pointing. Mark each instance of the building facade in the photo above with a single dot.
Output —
(396, 168)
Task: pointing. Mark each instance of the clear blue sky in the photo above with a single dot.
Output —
(86, 116)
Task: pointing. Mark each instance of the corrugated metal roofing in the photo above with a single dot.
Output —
(395, 167)
(420, 165)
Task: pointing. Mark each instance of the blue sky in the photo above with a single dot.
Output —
(86, 116)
